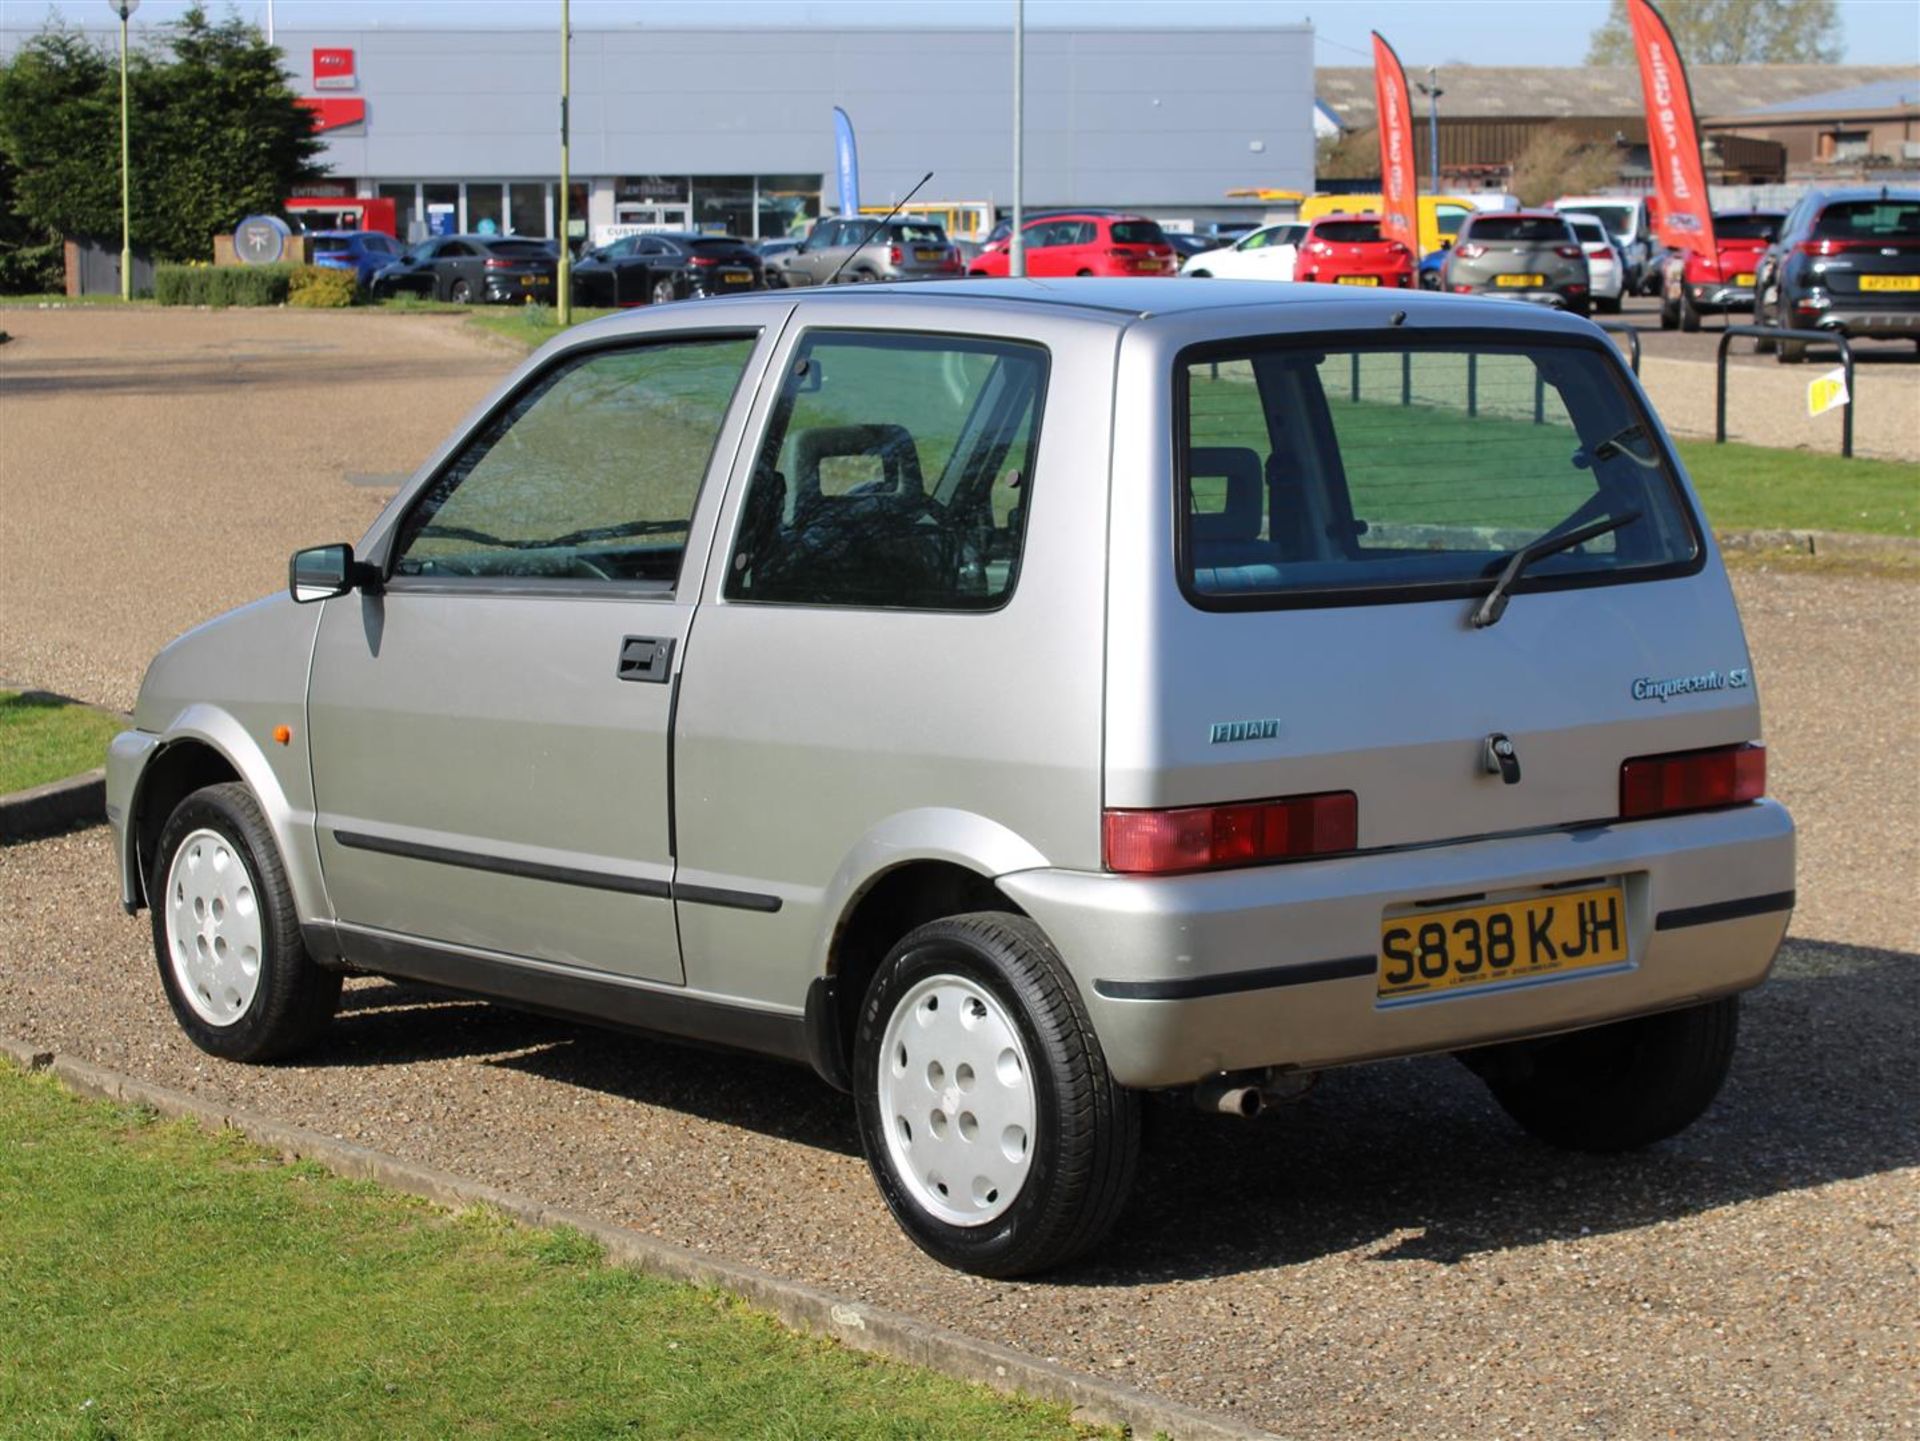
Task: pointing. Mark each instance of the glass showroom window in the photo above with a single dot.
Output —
(723, 203)
(787, 204)
(486, 208)
(527, 208)
(406, 209)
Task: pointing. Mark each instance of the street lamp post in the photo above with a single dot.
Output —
(564, 279)
(124, 9)
(1017, 242)
(1433, 92)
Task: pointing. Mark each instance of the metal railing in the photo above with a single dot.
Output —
(1783, 337)
(1632, 332)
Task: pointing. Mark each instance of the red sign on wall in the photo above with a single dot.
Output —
(331, 112)
(333, 68)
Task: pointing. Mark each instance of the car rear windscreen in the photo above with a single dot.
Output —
(1745, 227)
(1412, 468)
(519, 250)
(1523, 229)
(918, 232)
(1347, 232)
(1138, 232)
(719, 246)
(1589, 232)
(1869, 220)
(331, 244)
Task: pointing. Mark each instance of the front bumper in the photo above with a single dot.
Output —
(1187, 976)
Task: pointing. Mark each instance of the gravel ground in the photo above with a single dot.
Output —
(1389, 1257)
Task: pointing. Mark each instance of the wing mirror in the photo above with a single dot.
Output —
(321, 572)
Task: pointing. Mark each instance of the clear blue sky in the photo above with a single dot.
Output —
(1426, 32)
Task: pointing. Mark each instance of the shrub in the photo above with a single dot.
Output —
(219, 285)
(323, 287)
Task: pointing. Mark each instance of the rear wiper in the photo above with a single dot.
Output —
(1495, 605)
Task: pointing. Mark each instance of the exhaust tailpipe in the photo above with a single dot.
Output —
(1228, 1095)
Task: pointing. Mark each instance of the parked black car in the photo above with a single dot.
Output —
(502, 269)
(671, 265)
(1845, 260)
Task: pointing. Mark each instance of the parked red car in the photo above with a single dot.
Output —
(1087, 244)
(1691, 285)
(1348, 250)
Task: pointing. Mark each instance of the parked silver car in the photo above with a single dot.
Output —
(1521, 255)
(1007, 699)
(862, 249)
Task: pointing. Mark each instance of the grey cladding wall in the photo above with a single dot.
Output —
(1142, 117)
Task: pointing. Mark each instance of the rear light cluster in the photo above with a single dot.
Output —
(1692, 780)
(894, 255)
(1567, 252)
(1470, 251)
(1598, 252)
(1840, 247)
(1203, 838)
(498, 265)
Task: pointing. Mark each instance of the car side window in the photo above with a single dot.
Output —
(1039, 237)
(589, 474)
(1257, 240)
(894, 473)
(454, 250)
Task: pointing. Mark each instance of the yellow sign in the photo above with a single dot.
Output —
(1827, 392)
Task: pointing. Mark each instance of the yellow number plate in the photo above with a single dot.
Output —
(1357, 279)
(1745, 278)
(929, 253)
(1890, 282)
(1520, 282)
(1429, 952)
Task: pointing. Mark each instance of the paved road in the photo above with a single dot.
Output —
(1389, 1258)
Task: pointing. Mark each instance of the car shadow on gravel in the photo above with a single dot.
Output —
(1406, 1161)
(1415, 1160)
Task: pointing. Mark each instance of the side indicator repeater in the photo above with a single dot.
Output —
(283, 734)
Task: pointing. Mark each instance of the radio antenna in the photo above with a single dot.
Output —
(885, 221)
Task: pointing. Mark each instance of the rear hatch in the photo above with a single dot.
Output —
(1350, 252)
(1866, 253)
(1340, 512)
(915, 249)
(1741, 240)
(1520, 252)
(526, 265)
(725, 264)
(1139, 247)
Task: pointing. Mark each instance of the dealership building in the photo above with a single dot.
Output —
(732, 129)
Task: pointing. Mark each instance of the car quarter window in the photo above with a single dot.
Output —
(894, 473)
(590, 474)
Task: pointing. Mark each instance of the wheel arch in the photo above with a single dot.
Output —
(207, 746)
(914, 868)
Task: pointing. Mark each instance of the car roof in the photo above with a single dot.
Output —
(1084, 215)
(1902, 193)
(1117, 302)
(1340, 217)
(1522, 215)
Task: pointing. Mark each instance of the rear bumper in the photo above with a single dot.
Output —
(1721, 297)
(1851, 321)
(1184, 977)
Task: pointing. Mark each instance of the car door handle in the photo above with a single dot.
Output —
(644, 657)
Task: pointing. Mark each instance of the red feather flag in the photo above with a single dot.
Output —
(1399, 174)
(1685, 221)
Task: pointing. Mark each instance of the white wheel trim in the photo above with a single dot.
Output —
(213, 927)
(957, 1101)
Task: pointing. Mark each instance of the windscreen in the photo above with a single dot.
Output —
(1745, 227)
(1347, 232)
(1416, 468)
(1615, 217)
(1138, 232)
(1525, 229)
(1869, 220)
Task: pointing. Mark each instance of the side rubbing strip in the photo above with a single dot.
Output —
(506, 865)
(1723, 911)
(1189, 988)
(734, 900)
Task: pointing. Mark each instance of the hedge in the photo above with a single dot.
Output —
(222, 284)
(323, 287)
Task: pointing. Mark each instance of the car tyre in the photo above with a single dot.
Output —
(218, 891)
(1669, 315)
(1615, 1087)
(662, 292)
(1015, 1045)
(1609, 304)
(1199, 274)
(1689, 314)
(460, 293)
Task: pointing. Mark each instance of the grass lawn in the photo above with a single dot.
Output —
(159, 1279)
(528, 325)
(43, 739)
(1750, 487)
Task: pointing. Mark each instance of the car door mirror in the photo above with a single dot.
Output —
(321, 572)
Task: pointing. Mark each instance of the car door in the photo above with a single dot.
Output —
(811, 264)
(1046, 248)
(490, 728)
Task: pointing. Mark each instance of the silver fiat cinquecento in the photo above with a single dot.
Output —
(1007, 699)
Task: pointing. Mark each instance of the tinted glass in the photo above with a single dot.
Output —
(519, 250)
(1448, 219)
(1415, 465)
(1745, 227)
(331, 244)
(1347, 232)
(1616, 218)
(589, 475)
(1869, 220)
(894, 473)
(1138, 232)
(1590, 232)
(719, 245)
(1521, 228)
(377, 244)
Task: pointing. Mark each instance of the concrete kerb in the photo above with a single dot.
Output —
(61, 805)
(802, 1307)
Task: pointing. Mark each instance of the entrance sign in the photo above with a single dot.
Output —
(260, 240)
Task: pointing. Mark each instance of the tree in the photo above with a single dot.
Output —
(1350, 155)
(217, 134)
(1556, 163)
(1730, 32)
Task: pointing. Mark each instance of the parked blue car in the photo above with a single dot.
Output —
(361, 251)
